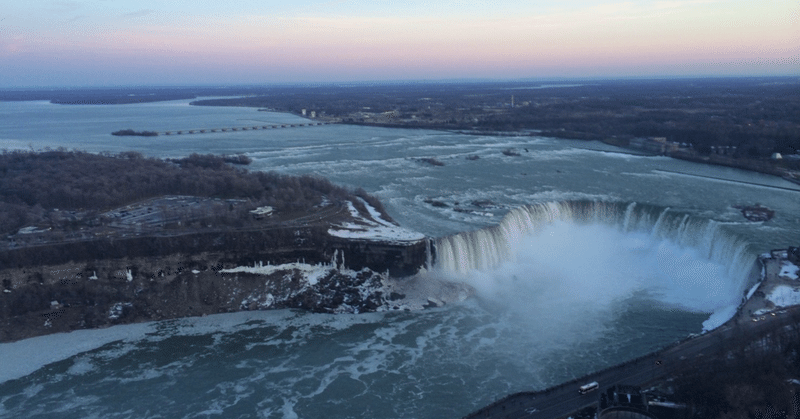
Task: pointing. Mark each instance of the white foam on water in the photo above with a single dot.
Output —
(566, 267)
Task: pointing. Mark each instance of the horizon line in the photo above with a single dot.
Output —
(389, 82)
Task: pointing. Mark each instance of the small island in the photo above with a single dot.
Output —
(130, 132)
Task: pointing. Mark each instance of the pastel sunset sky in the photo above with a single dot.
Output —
(144, 42)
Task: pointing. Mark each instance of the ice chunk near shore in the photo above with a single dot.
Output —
(789, 270)
(784, 296)
(718, 318)
(376, 228)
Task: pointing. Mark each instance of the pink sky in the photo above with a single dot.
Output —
(93, 43)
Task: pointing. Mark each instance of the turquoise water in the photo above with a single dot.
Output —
(539, 317)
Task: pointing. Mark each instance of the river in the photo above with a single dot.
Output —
(597, 255)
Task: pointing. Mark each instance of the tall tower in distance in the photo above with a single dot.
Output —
(512, 101)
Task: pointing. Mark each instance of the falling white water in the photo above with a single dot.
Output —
(591, 256)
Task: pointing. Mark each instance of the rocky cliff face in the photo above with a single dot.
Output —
(78, 292)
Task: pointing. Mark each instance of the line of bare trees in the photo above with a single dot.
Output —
(748, 378)
(37, 188)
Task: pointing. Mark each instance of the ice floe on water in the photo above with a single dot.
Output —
(26, 356)
(375, 228)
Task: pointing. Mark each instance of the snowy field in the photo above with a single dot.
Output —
(784, 296)
(788, 270)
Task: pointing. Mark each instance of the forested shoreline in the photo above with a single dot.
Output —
(45, 188)
(757, 116)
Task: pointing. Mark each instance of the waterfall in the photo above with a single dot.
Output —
(486, 249)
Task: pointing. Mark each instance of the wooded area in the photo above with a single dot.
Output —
(42, 188)
(748, 378)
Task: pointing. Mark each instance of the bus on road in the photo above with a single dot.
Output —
(588, 387)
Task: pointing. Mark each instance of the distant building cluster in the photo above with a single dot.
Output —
(656, 145)
(724, 150)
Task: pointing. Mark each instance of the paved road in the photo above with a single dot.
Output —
(123, 232)
(564, 399)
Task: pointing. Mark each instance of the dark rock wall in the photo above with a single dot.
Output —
(313, 245)
(58, 288)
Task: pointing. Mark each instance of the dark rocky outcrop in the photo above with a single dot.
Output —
(70, 286)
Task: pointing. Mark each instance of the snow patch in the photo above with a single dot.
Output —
(718, 318)
(312, 273)
(784, 296)
(752, 291)
(373, 229)
(789, 270)
(116, 310)
(375, 214)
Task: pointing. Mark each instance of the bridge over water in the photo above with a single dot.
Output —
(241, 128)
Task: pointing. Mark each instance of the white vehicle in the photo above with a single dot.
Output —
(588, 387)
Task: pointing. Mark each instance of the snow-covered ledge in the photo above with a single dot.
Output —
(373, 228)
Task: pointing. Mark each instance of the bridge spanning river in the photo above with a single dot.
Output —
(241, 128)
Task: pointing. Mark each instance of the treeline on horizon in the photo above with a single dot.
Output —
(36, 185)
(759, 116)
(758, 119)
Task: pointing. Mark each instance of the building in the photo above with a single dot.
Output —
(658, 145)
(793, 254)
(261, 212)
(624, 402)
